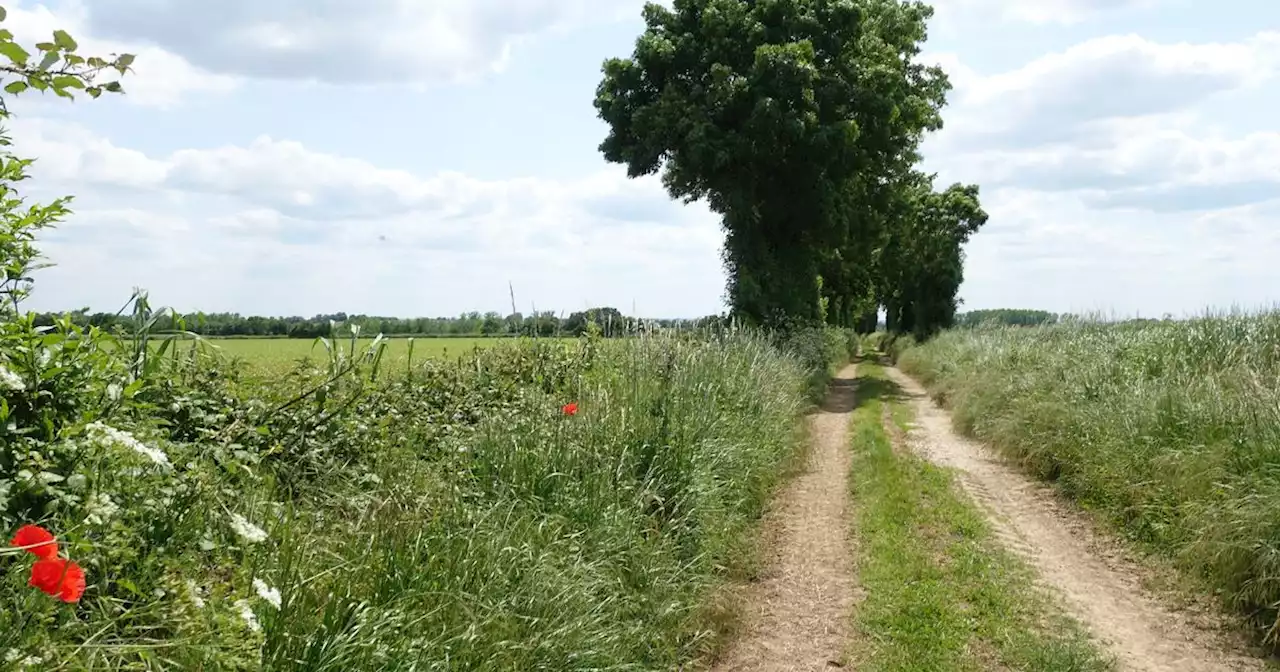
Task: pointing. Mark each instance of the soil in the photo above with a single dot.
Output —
(797, 616)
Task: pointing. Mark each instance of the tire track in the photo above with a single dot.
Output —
(798, 616)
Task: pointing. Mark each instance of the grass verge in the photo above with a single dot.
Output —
(456, 516)
(941, 594)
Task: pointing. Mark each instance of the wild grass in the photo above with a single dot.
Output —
(449, 516)
(1168, 428)
(940, 592)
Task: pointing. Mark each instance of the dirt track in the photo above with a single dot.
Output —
(1098, 589)
(797, 617)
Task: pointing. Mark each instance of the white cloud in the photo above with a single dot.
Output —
(1075, 95)
(347, 41)
(1121, 174)
(1052, 251)
(1037, 11)
(1120, 120)
(275, 227)
(159, 77)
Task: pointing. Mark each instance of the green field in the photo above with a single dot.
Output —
(276, 352)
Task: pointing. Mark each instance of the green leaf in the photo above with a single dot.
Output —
(64, 40)
(4, 32)
(3, 14)
(49, 59)
(94, 91)
(113, 87)
(15, 87)
(14, 53)
(73, 59)
(37, 83)
(95, 62)
(46, 46)
(124, 60)
(129, 586)
(68, 82)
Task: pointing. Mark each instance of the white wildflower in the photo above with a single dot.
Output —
(193, 592)
(114, 391)
(246, 530)
(14, 656)
(271, 595)
(250, 618)
(120, 437)
(11, 381)
(101, 509)
(77, 482)
(43, 358)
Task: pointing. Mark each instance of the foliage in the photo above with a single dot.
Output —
(1190, 406)
(1006, 316)
(820, 350)
(60, 68)
(922, 267)
(798, 122)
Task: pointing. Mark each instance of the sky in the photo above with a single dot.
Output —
(432, 157)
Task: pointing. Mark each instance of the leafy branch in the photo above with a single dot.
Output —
(55, 66)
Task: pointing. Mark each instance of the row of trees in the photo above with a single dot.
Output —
(1007, 316)
(799, 122)
(610, 322)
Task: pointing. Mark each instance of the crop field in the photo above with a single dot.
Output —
(276, 354)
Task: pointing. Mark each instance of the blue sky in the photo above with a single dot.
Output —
(412, 157)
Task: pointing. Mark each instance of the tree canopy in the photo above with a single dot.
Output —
(799, 122)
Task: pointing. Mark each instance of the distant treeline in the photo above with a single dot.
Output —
(1006, 316)
(610, 322)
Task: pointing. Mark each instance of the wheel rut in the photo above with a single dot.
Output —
(797, 616)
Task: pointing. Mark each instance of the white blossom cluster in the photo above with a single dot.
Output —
(119, 437)
(247, 531)
(11, 381)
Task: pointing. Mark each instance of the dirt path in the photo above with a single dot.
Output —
(1101, 591)
(797, 616)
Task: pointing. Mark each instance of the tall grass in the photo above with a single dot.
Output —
(544, 541)
(1170, 428)
(449, 517)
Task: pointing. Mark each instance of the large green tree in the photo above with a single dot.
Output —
(922, 264)
(782, 115)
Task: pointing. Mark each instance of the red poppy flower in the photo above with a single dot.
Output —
(60, 578)
(570, 408)
(39, 541)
